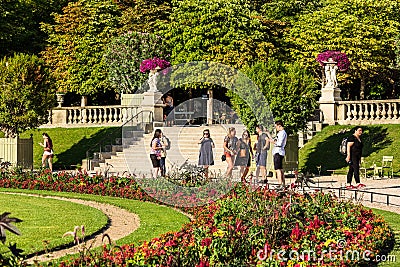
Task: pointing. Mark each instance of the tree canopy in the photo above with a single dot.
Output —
(26, 94)
(77, 42)
(364, 30)
(223, 31)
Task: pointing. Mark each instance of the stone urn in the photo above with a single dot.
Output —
(60, 99)
(152, 81)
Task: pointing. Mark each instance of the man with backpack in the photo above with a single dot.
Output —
(353, 158)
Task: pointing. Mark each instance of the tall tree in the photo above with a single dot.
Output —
(20, 24)
(224, 31)
(27, 93)
(289, 89)
(364, 30)
(144, 15)
(77, 42)
(124, 55)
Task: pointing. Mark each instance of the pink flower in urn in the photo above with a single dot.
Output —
(340, 58)
(154, 63)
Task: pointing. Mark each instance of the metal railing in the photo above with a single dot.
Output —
(385, 198)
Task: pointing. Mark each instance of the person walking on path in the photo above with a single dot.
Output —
(353, 158)
(230, 142)
(47, 151)
(155, 153)
(245, 154)
(279, 153)
(165, 143)
(206, 157)
(262, 147)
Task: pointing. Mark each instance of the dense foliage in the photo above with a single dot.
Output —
(290, 90)
(26, 94)
(78, 40)
(124, 56)
(364, 30)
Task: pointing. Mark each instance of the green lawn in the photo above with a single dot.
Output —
(46, 220)
(154, 219)
(393, 220)
(323, 149)
(70, 144)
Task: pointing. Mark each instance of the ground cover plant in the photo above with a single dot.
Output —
(44, 221)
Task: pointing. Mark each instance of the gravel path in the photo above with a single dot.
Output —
(122, 223)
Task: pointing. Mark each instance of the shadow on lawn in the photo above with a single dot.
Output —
(327, 155)
(74, 156)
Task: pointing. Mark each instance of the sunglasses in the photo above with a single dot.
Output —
(206, 133)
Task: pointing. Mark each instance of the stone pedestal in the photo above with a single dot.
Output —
(59, 116)
(210, 110)
(327, 104)
(152, 102)
(330, 94)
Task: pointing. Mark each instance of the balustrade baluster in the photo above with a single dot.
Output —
(69, 116)
(95, 117)
(360, 112)
(395, 111)
(366, 112)
(109, 117)
(384, 117)
(348, 113)
(389, 111)
(90, 115)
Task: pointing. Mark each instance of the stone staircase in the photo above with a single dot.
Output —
(132, 155)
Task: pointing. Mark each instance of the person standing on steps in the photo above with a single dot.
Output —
(353, 158)
(206, 156)
(155, 152)
(230, 150)
(262, 147)
(245, 154)
(279, 153)
(47, 151)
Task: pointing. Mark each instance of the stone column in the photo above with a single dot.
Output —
(210, 109)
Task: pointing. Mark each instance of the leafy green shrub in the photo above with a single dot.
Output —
(26, 94)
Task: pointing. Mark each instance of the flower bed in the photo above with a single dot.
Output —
(245, 228)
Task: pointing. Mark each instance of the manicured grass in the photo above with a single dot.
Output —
(393, 219)
(154, 219)
(323, 149)
(70, 144)
(46, 220)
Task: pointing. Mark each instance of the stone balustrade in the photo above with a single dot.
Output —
(364, 112)
(91, 116)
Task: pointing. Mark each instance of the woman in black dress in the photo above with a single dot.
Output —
(206, 157)
(353, 158)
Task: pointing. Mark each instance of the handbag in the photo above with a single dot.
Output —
(223, 157)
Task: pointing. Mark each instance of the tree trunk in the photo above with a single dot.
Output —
(362, 88)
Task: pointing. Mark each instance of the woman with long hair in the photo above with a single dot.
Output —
(47, 151)
(155, 152)
(245, 153)
(230, 142)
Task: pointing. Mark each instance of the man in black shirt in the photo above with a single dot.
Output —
(353, 158)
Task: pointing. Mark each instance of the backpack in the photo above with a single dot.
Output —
(343, 147)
